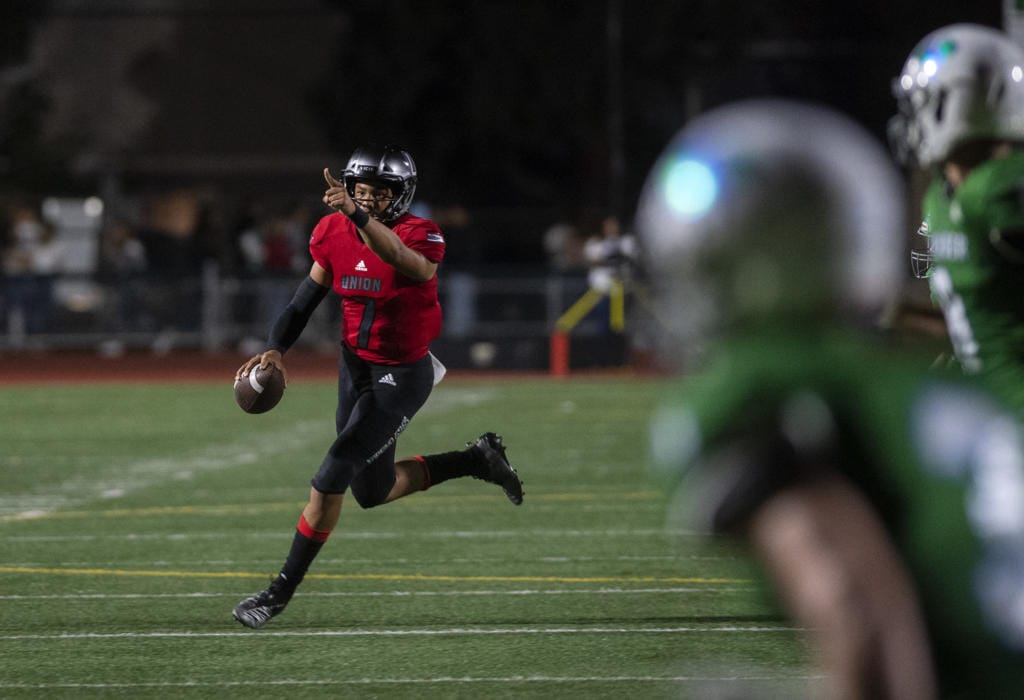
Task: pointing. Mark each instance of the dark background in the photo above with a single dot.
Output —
(535, 108)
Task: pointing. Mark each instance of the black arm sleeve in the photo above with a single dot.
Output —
(290, 324)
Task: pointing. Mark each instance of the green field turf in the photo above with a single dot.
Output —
(134, 516)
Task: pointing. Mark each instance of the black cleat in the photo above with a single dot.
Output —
(499, 471)
(256, 610)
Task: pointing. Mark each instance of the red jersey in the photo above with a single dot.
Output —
(386, 317)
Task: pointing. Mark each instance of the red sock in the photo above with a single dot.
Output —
(427, 483)
(307, 530)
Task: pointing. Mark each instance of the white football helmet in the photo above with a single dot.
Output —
(770, 209)
(961, 83)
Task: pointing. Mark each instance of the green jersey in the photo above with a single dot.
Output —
(977, 273)
(941, 461)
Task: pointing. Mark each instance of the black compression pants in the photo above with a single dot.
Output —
(375, 404)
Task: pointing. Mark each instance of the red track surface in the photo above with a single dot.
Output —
(183, 365)
(37, 367)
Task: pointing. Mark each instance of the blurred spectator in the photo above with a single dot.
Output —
(463, 258)
(30, 261)
(610, 254)
(563, 245)
(298, 222)
(172, 292)
(250, 246)
(121, 252)
(210, 231)
(247, 246)
(278, 249)
(122, 260)
(274, 250)
(275, 244)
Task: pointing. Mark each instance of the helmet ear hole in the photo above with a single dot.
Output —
(940, 105)
(996, 88)
(1000, 89)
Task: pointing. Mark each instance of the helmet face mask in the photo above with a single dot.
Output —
(387, 166)
(921, 257)
(960, 83)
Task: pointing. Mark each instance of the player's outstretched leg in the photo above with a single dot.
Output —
(256, 610)
(491, 451)
(482, 459)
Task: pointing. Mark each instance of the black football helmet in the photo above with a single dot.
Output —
(389, 166)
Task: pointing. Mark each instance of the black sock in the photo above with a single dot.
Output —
(305, 546)
(451, 465)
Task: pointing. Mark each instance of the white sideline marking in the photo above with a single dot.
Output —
(355, 561)
(449, 632)
(411, 681)
(390, 594)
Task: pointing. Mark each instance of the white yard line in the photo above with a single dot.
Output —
(360, 561)
(441, 632)
(710, 588)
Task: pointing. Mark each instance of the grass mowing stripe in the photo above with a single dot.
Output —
(235, 508)
(120, 479)
(739, 678)
(370, 577)
(389, 594)
(356, 561)
(366, 535)
(441, 632)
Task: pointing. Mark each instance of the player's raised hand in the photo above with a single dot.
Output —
(331, 181)
(336, 195)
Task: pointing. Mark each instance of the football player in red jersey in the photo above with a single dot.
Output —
(382, 261)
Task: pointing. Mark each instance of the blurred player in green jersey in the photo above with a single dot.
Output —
(884, 500)
(961, 116)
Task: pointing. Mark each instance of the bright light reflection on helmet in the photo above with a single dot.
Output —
(937, 53)
(690, 187)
